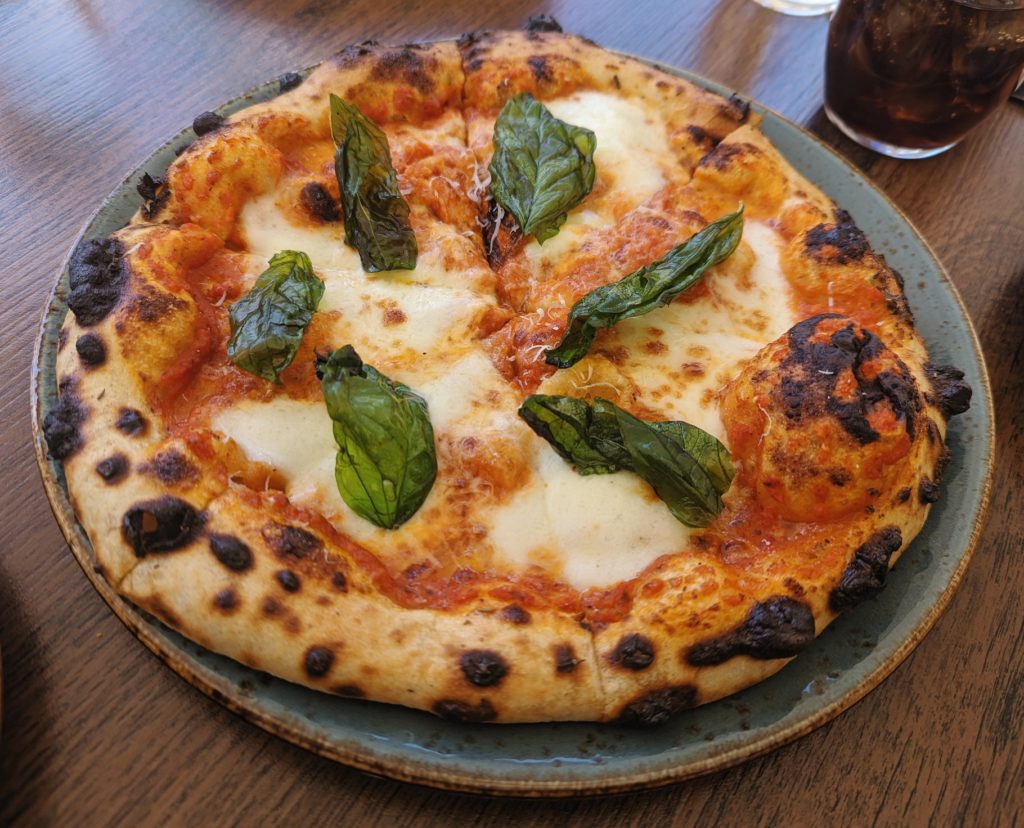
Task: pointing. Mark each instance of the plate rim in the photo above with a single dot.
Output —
(436, 776)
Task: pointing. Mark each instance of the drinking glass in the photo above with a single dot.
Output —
(801, 8)
(909, 78)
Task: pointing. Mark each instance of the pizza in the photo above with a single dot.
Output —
(508, 378)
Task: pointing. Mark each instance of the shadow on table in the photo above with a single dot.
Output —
(26, 738)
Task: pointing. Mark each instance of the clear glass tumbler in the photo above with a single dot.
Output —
(801, 8)
(909, 78)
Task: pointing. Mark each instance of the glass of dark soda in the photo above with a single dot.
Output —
(909, 78)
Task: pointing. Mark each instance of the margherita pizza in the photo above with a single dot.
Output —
(508, 378)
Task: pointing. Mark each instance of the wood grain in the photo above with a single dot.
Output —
(97, 732)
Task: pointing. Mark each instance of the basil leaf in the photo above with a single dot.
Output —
(267, 323)
(688, 468)
(386, 461)
(542, 167)
(652, 286)
(585, 436)
(376, 215)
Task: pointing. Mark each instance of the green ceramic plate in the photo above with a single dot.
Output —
(852, 656)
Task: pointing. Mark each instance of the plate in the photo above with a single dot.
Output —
(851, 657)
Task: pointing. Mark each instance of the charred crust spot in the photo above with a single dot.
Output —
(288, 580)
(865, 576)
(635, 652)
(406, 64)
(839, 243)
(131, 422)
(96, 277)
(929, 491)
(161, 525)
(483, 668)
(339, 581)
(318, 202)
(779, 627)
(723, 154)
(171, 467)
(515, 614)
(700, 137)
(153, 306)
(206, 122)
(62, 339)
(539, 66)
(952, 391)
(154, 192)
(565, 659)
(739, 107)
(453, 710)
(318, 661)
(813, 368)
(113, 468)
(91, 350)
(271, 606)
(941, 464)
(288, 81)
(349, 691)
(226, 600)
(658, 706)
(543, 23)
(231, 552)
(61, 424)
(904, 495)
(290, 541)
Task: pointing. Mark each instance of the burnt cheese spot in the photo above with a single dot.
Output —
(812, 369)
(161, 525)
(952, 391)
(453, 710)
(543, 23)
(318, 202)
(565, 659)
(131, 422)
(904, 495)
(339, 581)
(290, 541)
(288, 81)
(288, 580)
(172, 467)
(96, 276)
(113, 468)
(635, 652)
(929, 491)
(841, 243)
(61, 424)
(515, 614)
(91, 350)
(206, 122)
(779, 627)
(318, 661)
(658, 706)
(226, 600)
(865, 576)
(231, 552)
(484, 668)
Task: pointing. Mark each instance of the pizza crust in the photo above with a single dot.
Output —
(182, 527)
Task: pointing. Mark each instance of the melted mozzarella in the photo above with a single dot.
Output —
(589, 531)
(631, 144)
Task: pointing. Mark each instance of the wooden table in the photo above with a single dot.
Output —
(97, 731)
